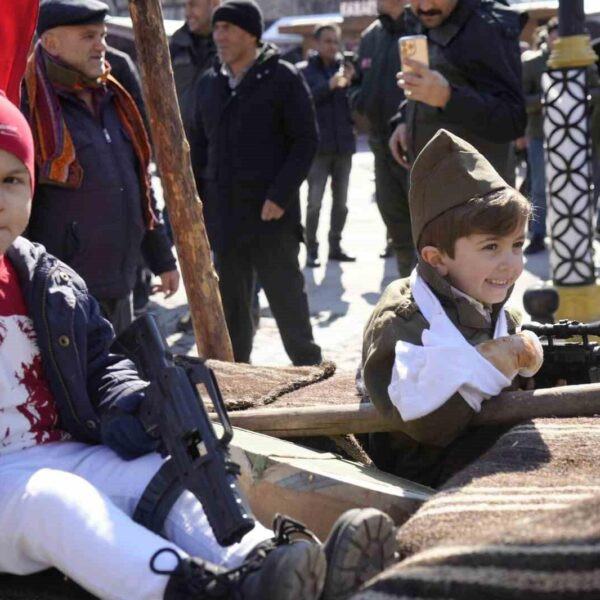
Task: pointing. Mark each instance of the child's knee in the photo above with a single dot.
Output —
(54, 491)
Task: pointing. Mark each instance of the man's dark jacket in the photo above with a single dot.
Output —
(260, 140)
(98, 229)
(374, 92)
(191, 56)
(336, 130)
(96, 392)
(477, 50)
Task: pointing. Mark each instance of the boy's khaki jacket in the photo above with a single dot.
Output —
(397, 317)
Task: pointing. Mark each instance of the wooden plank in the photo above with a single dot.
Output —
(565, 401)
(316, 487)
(506, 409)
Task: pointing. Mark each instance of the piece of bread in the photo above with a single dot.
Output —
(518, 354)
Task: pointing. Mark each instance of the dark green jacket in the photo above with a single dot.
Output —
(419, 447)
(374, 92)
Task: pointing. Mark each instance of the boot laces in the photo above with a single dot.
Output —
(206, 583)
(285, 527)
(199, 579)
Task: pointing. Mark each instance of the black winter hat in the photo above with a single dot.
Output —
(55, 13)
(245, 14)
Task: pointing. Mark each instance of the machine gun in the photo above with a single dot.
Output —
(199, 460)
(564, 361)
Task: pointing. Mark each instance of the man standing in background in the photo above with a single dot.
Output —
(374, 93)
(472, 86)
(93, 207)
(256, 125)
(192, 52)
(328, 77)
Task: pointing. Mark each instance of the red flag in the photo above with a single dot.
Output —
(17, 24)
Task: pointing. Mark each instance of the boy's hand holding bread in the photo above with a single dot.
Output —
(518, 354)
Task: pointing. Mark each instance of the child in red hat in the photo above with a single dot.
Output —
(75, 459)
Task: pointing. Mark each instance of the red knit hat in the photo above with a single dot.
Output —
(15, 134)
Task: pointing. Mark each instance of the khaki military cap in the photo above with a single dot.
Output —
(447, 173)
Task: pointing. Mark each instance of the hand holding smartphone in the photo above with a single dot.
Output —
(415, 48)
(419, 82)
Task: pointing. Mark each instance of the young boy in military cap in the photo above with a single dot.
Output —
(418, 347)
(75, 458)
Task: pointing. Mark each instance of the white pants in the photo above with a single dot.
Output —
(69, 505)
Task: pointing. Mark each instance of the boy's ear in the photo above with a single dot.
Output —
(436, 258)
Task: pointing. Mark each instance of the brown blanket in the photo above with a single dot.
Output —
(249, 386)
(522, 522)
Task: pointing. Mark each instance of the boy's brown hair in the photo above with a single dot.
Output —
(497, 213)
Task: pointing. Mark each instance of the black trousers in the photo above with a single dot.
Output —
(273, 259)
(119, 311)
(391, 193)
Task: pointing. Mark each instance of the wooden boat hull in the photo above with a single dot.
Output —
(316, 487)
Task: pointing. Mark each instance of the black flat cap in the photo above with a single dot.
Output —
(56, 13)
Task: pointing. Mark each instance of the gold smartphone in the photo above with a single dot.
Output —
(415, 48)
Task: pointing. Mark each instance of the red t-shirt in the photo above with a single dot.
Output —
(28, 414)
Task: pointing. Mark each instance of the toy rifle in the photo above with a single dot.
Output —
(173, 412)
(567, 362)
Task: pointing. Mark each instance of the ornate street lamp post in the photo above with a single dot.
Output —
(571, 205)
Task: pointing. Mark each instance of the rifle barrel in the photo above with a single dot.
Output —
(564, 329)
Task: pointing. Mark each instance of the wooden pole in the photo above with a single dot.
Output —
(173, 157)
(508, 408)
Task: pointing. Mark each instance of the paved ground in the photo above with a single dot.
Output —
(341, 296)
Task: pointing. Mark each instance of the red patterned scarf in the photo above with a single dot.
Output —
(55, 154)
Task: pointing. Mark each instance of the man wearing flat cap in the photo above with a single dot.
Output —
(94, 207)
(256, 125)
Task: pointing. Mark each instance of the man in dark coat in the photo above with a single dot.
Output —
(328, 77)
(374, 93)
(472, 86)
(94, 206)
(258, 124)
(192, 53)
